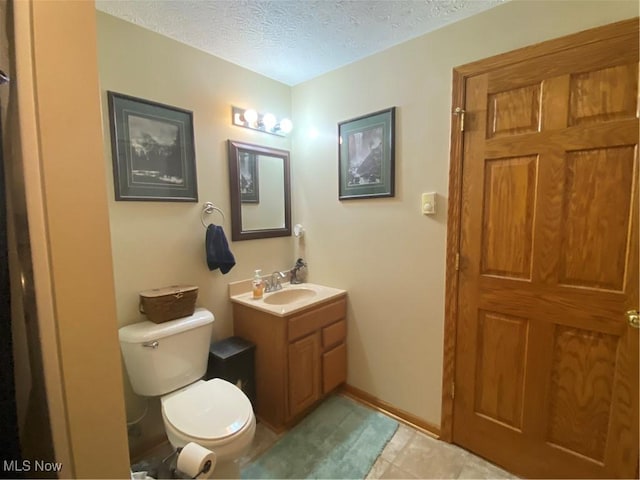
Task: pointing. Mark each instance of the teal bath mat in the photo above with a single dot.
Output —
(340, 439)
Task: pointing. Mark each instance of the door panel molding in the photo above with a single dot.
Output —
(455, 205)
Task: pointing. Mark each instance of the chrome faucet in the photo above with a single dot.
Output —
(273, 283)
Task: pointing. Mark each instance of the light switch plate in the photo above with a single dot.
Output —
(428, 203)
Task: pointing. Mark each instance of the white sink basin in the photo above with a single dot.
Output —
(283, 297)
(290, 299)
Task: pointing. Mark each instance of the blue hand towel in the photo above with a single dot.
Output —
(218, 253)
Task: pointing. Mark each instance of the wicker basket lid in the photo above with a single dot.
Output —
(170, 290)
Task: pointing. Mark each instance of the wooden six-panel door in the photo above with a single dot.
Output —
(546, 375)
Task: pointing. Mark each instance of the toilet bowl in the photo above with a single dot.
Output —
(214, 414)
(168, 360)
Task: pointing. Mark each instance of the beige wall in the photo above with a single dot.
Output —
(157, 244)
(162, 243)
(388, 256)
(60, 135)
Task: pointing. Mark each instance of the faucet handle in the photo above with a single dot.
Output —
(272, 282)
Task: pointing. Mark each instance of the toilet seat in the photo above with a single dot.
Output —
(208, 410)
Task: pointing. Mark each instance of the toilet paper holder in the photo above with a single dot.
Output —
(205, 469)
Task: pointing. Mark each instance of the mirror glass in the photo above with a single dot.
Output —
(260, 191)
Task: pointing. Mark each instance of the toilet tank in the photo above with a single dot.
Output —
(162, 357)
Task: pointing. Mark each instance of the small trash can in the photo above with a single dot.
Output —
(232, 359)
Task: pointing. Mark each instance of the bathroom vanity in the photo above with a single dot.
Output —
(301, 353)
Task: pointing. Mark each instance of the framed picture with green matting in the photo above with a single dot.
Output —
(153, 151)
(367, 156)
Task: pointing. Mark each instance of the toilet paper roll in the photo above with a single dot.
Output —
(193, 458)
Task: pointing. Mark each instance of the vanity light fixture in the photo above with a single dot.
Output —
(263, 122)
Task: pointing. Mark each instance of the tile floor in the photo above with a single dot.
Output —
(413, 454)
(409, 454)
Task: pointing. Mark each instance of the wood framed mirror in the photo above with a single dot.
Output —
(260, 188)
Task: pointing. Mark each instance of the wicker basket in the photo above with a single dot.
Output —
(168, 303)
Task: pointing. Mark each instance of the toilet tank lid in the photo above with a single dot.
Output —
(147, 331)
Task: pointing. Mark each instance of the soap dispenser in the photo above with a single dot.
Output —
(257, 284)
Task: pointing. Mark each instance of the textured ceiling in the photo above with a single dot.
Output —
(293, 40)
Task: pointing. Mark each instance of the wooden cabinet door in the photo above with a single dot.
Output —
(546, 380)
(334, 368)
(304, 373)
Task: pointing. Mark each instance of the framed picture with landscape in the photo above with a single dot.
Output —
(153, 151)
(367, 156)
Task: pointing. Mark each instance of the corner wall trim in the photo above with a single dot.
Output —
(388, 409)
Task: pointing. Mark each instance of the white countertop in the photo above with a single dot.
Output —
(238, 293)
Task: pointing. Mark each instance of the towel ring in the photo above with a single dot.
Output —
(207, 209)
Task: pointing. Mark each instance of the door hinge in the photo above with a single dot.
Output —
(453, 390)
(457, 262)
(460, 113)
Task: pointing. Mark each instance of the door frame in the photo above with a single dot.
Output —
(460, 76)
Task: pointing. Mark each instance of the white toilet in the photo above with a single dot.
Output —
(169, 359)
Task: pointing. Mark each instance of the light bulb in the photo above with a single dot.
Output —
(285, 125)
(251, 116)
(269, 121)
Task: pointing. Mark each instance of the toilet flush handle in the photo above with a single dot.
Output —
(153, 344)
